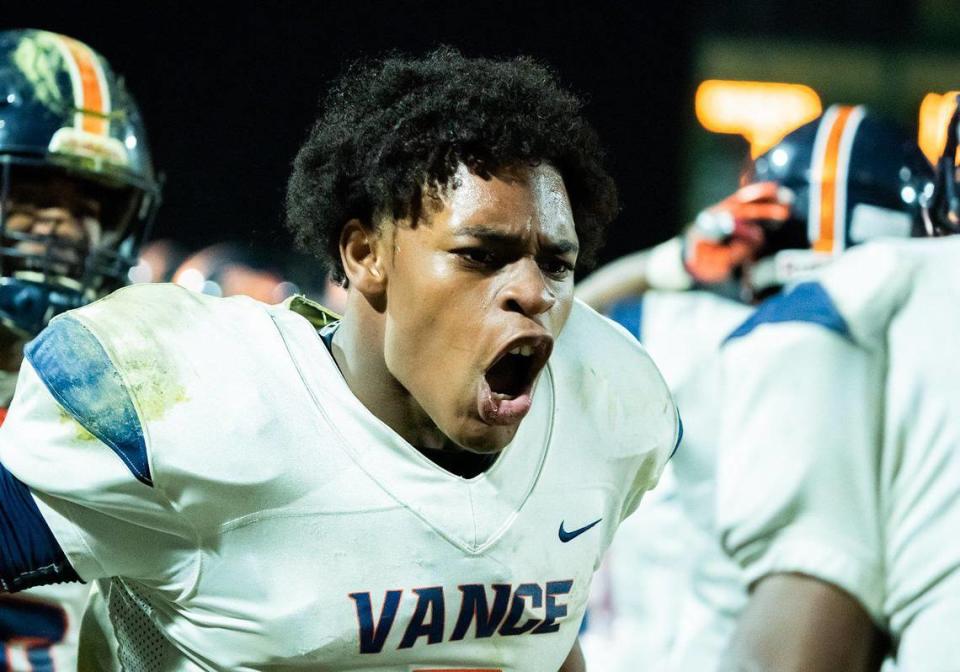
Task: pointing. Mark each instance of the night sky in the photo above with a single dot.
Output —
(229, 95)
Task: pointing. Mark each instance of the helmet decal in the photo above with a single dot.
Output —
(43, 56)
(40, 59)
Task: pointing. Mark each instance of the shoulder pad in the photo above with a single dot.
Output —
(611, 377)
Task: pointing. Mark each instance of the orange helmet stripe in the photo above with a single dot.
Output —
(90, 89)
(826, 242)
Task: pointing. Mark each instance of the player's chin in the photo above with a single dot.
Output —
(478, 437)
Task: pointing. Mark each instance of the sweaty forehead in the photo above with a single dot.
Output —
(514, 201)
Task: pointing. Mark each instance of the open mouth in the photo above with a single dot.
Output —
(505, 398)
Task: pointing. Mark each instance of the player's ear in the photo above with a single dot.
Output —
(360, 253)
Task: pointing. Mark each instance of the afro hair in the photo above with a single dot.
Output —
(393, 131)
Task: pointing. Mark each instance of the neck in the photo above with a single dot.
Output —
(358, 351)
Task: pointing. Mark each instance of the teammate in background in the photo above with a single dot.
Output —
(231, 269)
(839, 181)
(839, 473)
(77, 194)
(158, 261)
(427, 484)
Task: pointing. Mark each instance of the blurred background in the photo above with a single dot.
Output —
(681, 94)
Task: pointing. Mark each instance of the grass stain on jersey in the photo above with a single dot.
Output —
(155, 387)
(80, 432)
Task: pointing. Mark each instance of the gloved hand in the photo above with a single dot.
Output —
(730, 234)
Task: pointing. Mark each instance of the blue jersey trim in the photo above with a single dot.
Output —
(806, 302)
(29, 553)
(629, 314)
(77, 371)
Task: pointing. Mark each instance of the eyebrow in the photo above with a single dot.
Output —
(498, 237)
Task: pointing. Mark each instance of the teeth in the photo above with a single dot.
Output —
(525, 350)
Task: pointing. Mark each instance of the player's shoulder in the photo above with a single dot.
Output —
(144, 328)
(857, 296)
(591, 341)
(690, 324)
(119, 363)
(853, 298)
(936, 262)
(604, 371)
(149, 364)
(609, 394)
(163, 306)
(804, 308)
(870, 284)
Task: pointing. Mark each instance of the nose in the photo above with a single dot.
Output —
(527, 291)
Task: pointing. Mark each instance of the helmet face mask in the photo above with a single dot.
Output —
(77, 186)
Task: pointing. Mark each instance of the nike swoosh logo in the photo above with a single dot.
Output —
(567, 536)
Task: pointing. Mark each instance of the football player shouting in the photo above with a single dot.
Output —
(425, 484)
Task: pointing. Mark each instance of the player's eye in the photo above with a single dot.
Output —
(477, 257)
(556, 267)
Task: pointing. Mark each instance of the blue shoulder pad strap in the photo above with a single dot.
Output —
(29, 554)
(806, 302)
(629, 315)
(77, 371)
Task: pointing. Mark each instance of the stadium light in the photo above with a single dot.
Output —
(935, 111)
(762, 112)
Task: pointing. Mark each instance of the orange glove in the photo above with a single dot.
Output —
(730, 234)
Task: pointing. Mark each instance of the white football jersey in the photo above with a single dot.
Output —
(244, 511)
(840, 453)
(40, 627)
(673, 594)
